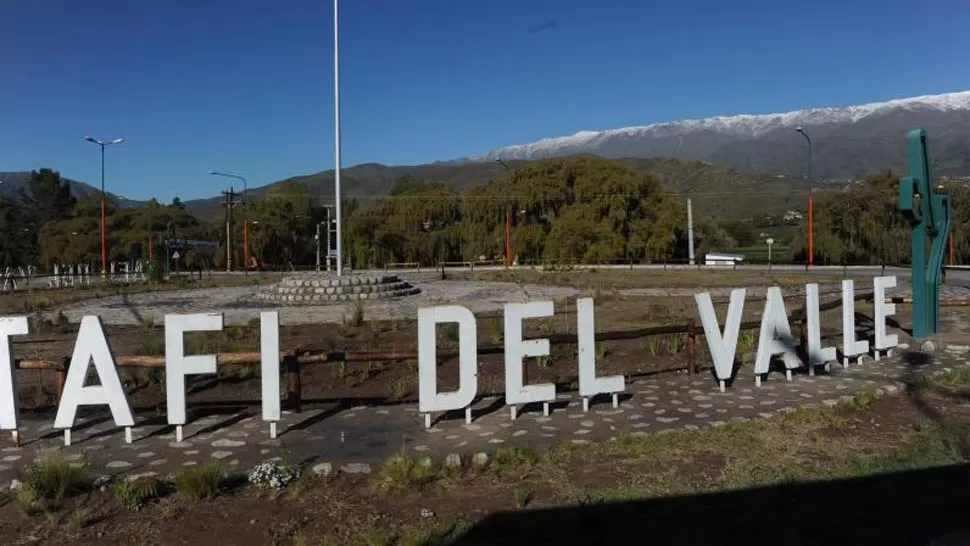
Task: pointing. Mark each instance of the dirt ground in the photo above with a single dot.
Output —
(925, 428)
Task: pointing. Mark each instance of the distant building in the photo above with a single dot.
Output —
(721, 258)
(792, 215)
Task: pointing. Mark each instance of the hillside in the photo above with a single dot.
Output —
(717, 191)
(14, 182)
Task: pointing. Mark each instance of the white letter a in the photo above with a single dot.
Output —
(92, 346)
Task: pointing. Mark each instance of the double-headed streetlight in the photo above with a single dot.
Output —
(811, 204)
(104, 251)
(230, 204)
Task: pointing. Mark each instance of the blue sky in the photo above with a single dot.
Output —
(245, 86)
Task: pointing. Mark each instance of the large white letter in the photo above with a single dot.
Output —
(882, 310)
(516, 349)
(178, 365)
(429, 399)
(269, 350)
(723, 348)
(92, 346)
(589, 384)
(9, 408)
(816, 353)
(850, 345)
(774, 322)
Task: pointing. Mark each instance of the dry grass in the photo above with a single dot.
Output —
(610, 279)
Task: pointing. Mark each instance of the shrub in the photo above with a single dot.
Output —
(135, 494)
(274, 475)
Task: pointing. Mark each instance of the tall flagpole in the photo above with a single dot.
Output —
(336, 124)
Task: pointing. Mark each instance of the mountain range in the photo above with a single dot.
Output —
(848, 142)
(751, 158)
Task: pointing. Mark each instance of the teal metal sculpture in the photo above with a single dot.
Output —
(931, 217)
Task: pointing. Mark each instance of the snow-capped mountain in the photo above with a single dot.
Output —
(849, 142)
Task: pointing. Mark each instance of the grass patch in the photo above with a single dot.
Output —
(200, 482)
(508, 460)
(605, 283)
(48, 482)
(400, 472)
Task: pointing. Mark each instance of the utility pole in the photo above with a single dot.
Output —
(230, 202)
(690, 232)
(318, 246)
(330, 231)
(329, 223)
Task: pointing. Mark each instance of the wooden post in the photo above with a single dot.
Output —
(690, 345)
(804, 339)
(294, 387)
(62, 377)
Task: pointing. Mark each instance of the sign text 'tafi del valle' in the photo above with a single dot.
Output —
(91, 347)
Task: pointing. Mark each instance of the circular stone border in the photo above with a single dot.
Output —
(317, 288)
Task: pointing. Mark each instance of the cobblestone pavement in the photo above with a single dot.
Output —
(356, 439)
(239, 304)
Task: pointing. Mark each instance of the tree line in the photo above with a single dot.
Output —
(582, 209)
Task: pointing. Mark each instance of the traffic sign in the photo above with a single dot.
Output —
(176, 255)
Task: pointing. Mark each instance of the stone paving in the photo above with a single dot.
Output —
(240, 304)
(357, 439)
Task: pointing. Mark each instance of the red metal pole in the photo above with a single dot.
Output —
(246, 246)
(508, 237)
(811, 237)
(149, 248)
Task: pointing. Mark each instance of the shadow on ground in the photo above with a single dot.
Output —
(921, 507)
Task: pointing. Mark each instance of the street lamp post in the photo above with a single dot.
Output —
(811, 203)
(104, 248)
(237, 177)
(508, 217)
